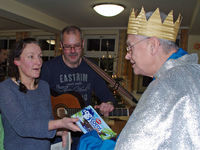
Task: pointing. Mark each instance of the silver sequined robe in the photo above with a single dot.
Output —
(167, 116)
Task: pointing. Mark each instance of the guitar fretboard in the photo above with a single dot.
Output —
(115, 112)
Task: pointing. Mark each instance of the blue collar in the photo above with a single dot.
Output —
(180, 52)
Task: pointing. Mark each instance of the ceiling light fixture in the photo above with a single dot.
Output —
(52, 42)
(108, 10)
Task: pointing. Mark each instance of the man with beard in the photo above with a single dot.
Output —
(70, 73)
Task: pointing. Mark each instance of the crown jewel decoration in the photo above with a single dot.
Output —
(154, 27)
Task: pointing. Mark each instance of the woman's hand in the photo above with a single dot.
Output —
(64, 123)
(69, 123)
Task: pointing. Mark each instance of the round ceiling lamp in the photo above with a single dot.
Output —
(108, 10)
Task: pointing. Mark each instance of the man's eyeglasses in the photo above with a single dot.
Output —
(128, 48)
(69, 47)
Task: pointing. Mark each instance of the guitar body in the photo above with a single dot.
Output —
(65, 105)
(64, 102)
(69, 103)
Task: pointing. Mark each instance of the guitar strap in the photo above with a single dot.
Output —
(115, 84)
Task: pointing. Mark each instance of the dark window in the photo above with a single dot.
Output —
(44, 45)
(45, 58)
(108, 45)
(3, 44)
(106, 64)
(47, 44)
(94, 60)
(93, 44)
(12, 44)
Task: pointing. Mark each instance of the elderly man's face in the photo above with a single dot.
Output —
(139, 55)
(3, 55)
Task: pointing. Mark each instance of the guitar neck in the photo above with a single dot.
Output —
(115, 112)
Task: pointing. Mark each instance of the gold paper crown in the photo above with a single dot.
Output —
(154, 27)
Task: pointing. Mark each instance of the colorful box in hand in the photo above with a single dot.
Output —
(90, 120)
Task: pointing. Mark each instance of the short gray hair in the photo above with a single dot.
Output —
(69, 29)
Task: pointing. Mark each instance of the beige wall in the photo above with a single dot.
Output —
(194, 44)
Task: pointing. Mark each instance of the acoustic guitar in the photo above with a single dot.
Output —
(68, 104)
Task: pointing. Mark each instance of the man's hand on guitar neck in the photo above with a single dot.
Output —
(105, 108)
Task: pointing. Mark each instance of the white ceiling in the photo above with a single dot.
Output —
(53, 15)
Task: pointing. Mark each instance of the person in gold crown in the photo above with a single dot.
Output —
(167, 115)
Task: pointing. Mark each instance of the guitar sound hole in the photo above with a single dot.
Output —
(60, 111)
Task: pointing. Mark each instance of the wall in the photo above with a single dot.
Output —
(194, 44)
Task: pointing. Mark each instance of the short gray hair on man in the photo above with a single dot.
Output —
(166, 44)
(69, 29)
